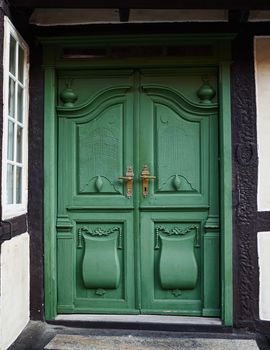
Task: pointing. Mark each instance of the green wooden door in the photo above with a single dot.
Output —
(137, 245)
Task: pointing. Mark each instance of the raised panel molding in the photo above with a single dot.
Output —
(161, 93)
(96, 264)
(178, 150)
(211, 272)
(100, 263)
(100, 144)
(95, 148)
(64, 224)
(178, 268)
(102, 99)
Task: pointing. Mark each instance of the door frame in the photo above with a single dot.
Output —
(219, 57)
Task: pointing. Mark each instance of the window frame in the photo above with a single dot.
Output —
(12, 210)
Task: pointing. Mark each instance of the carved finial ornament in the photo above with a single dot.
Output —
(206, 92)
(68, 96)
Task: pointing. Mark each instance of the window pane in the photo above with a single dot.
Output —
(10, 141)
(12, 55)
(19, 143)
(10, 187)
(20, 104)
(11, 98)
(18, 185)
(21, 64)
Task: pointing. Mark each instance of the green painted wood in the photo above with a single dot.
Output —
(173, 94)
(174, 140)
(185, 296)
(226, 194)
(100, 265)
(50, 193)
(65, 268)
(211, 274)
(178, 268)
(95, 148)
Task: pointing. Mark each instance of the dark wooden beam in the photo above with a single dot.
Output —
(158, 4)
(124, 14)
(238, 16)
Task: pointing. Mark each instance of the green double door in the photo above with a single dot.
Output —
(137, 225)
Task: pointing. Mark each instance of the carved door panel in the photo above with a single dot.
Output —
(179, 217)
(131, 245)
(95, 217)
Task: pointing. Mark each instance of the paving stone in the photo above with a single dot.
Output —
(78, 342)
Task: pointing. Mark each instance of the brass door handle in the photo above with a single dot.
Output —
(145, 175)
(129, 178)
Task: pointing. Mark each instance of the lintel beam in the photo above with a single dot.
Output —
(150, 4)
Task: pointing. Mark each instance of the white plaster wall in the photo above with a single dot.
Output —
(14, 289)
(262, 74)
(264, 264)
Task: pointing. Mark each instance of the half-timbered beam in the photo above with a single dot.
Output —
(238, 16)
(162, 4)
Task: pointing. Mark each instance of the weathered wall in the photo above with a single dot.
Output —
(14, 250)
(14, 301)
(36, 184)
(244, 150)
(264, 263)
(262, 71)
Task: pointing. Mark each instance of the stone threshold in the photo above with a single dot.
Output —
(152, 319)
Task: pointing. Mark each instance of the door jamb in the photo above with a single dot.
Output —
(222, 60)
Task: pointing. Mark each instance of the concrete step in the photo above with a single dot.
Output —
(80, 342)
(40, 335)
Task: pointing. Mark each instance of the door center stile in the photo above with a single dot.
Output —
(136, 159)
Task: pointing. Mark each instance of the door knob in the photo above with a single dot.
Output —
(129, 178)
(145, 175)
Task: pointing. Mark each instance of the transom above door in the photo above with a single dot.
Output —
(138, 215)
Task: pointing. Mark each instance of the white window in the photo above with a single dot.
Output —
(15, 124)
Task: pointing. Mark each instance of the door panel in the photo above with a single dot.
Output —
(171, 257)
(96, 264)
(175, 144)
(157, 251)
(98, 140)
(100, 143)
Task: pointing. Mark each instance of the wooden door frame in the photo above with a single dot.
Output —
(220, 58)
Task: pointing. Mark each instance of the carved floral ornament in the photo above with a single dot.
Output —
(176, 231)
(98, 232)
